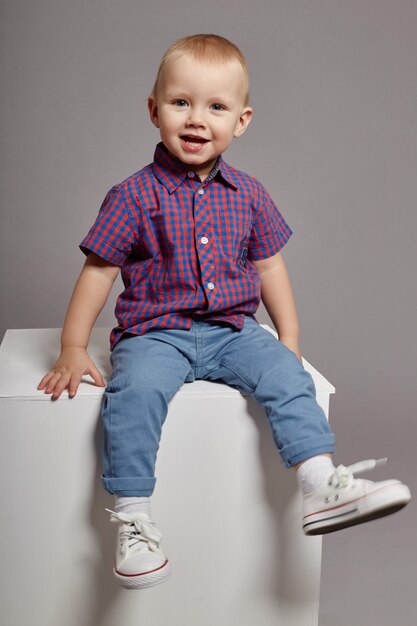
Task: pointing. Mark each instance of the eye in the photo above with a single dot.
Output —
(180, 102)
(218, 107)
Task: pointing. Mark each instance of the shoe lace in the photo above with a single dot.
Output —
(138, 530)
(343, 476)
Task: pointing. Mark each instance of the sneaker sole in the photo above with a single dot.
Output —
(147, 579)
(379, 503)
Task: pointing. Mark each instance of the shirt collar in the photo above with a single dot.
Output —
(171, 173)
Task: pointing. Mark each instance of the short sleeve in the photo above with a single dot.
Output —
(111, 236)
(270, 232)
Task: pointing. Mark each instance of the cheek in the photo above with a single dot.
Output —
(167, 122)
(226, 132)
(220, 129)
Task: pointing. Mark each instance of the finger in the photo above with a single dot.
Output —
(52, 382)
(46, 379)
(73, 385)
(96, 375)
(61, 385)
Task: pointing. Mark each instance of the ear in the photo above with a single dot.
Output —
(153, 111)
(244, 121)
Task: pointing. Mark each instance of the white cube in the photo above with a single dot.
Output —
(229, 510)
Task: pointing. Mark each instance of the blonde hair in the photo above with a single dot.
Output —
(208, 48)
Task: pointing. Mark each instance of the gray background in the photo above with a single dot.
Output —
(333, 139)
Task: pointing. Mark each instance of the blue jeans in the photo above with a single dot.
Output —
(149, 369)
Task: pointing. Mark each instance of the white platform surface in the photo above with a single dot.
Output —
(228, 509)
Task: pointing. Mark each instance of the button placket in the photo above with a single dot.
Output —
(204, 242)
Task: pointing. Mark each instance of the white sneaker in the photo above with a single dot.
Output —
(140, 561)
(343, 500)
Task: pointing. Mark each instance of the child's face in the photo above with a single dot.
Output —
(199, 109)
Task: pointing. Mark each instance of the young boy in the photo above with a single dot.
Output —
(198, 244)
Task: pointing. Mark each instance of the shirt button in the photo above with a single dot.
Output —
(204, 240)
(210, 285)
(190, 174)
(201, 191)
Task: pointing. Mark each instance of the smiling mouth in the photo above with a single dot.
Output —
(194, 139)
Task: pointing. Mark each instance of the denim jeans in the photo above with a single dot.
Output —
(149, 369)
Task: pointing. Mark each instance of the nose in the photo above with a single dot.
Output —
(196, 118)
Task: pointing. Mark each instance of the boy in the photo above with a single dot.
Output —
(198, 244)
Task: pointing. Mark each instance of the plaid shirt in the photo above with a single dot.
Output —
(185, 246)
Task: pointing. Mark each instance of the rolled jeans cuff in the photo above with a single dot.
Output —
(305, 449)
(129, 486)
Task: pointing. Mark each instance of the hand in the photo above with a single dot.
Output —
(72, 364)
(293, 345)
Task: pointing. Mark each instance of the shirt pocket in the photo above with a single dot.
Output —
(234, 227)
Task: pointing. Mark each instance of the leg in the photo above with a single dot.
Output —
(147, 372)
(256, 363)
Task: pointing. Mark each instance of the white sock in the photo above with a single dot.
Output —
(131, 504)
(313, 472)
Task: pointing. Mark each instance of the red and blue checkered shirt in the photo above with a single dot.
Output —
(185, 246)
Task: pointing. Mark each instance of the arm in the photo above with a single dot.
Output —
(88, 299)
(278, 298)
